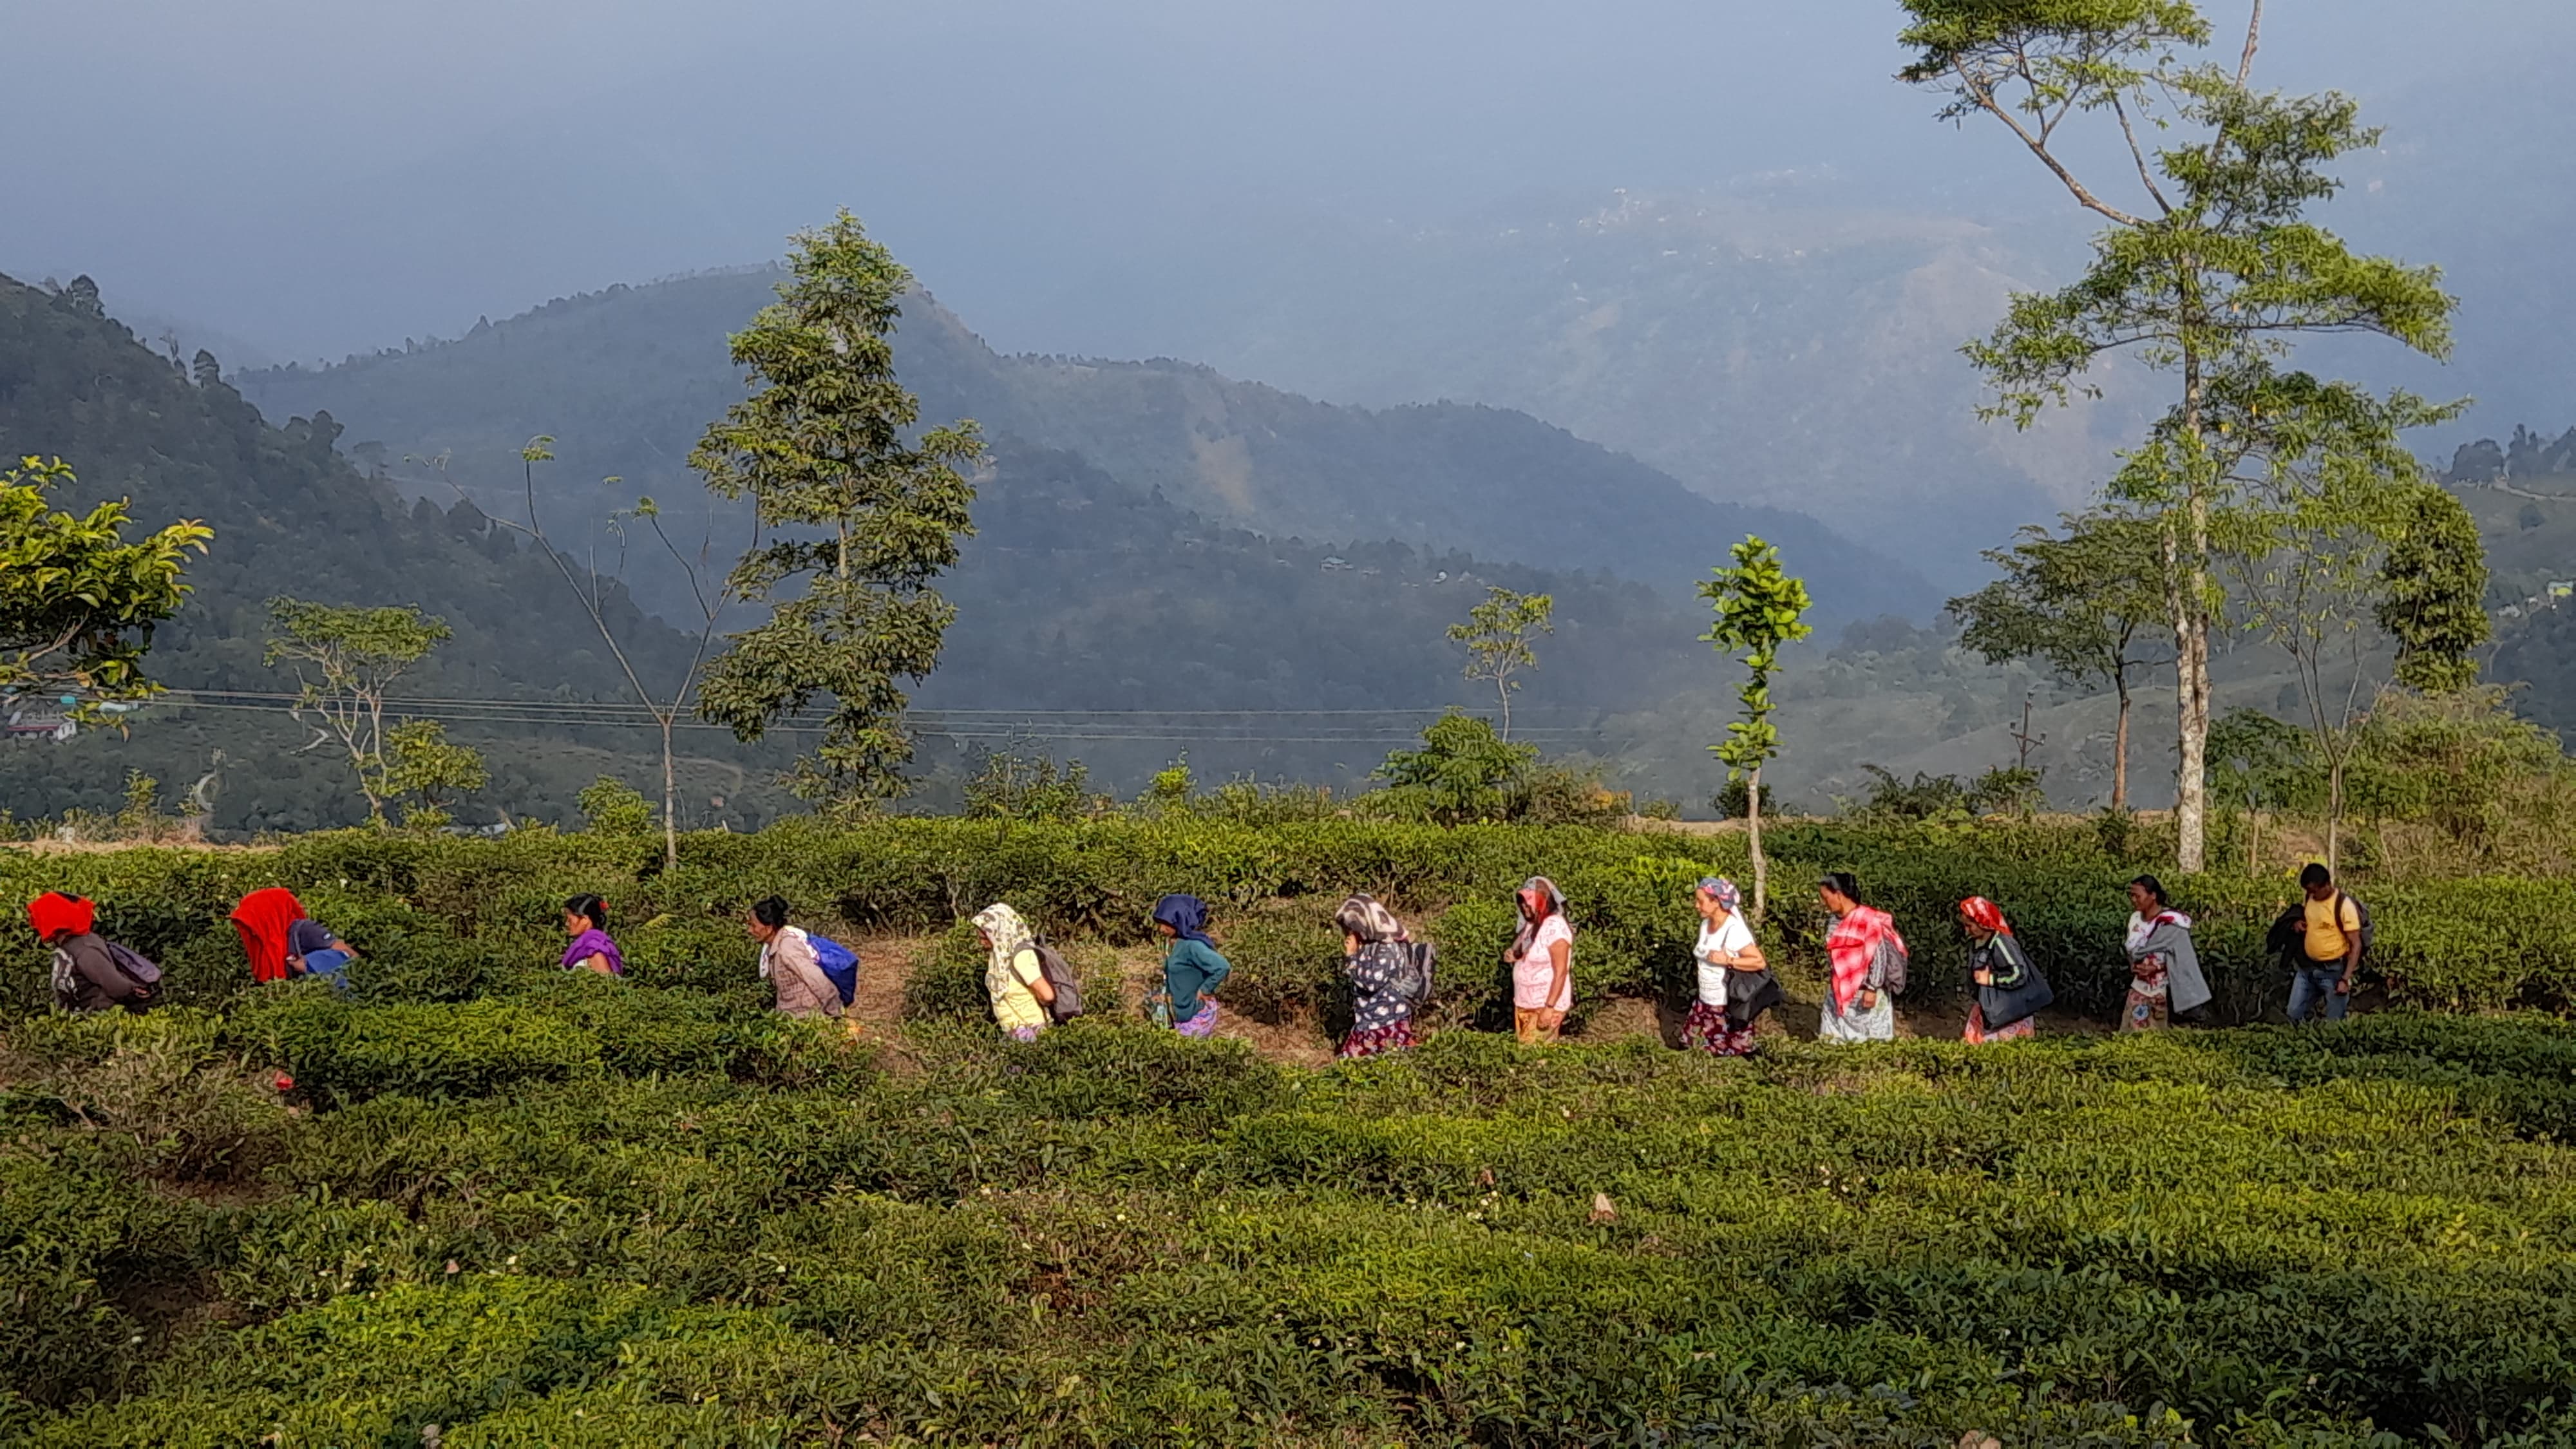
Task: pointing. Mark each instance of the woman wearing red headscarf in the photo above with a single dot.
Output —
(86, 977)
(264, 919)
(2010, 990)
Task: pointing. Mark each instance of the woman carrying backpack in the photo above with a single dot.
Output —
(1378, 961)
(789, 964)
(1542, 960)
(1014, 977)
(2010, 990)
(1868, 965)
(86, 976)
(1735, 982)
(1192, 965)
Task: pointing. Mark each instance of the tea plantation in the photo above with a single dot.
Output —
(480, 1202)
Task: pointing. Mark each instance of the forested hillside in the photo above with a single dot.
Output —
(1080, 592)
(625, 379)
(291, 517)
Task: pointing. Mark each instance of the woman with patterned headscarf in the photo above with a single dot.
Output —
(1378, 960)
(1014, 977)
(2010, 990)
(1735, 982)
(1542, 960)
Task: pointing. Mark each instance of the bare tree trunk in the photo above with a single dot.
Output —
(670, 799)
(2120, 749)
(1753, 832)
(1503, 688)
(2191, 629)
(2334, 815)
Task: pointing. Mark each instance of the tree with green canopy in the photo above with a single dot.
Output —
(2089, 602)
(1464, 771)
(78, 602)
(864, 510)
(2208, 269)
(2433, 592)
(420, 761)
(345, 660)
(1760, 607)
(1497, 635)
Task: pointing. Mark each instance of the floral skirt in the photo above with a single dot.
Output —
(1378, 1040)
(1706, 1028)
(1201, 1022)
(1025, 1033)
(2144, 1012)
(2026, 1027)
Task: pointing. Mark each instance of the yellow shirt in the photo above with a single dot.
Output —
(2329, 939)
(1014, 1004)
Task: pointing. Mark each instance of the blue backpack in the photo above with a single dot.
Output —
(839, 963)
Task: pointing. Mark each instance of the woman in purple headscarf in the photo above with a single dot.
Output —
(1735, 982)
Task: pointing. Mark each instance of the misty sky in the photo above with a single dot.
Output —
(315, 178)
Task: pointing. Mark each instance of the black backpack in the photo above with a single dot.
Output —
(2369, 930)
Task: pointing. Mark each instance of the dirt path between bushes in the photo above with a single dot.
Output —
(886, 967)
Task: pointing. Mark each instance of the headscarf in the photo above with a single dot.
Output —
(1010, 935)
(1365, 917)
(1186, 915)
(54, 913)
(1721, 890)
(1986, 914)
(263, 918)
(1538, 894)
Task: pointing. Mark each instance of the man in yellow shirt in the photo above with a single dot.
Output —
(2330, 941)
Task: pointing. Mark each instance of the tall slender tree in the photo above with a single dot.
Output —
(1760, 607)
(2207, 270)
(865, 510)
(346, 660)
(1497, 635)
(2090, 602)
(2434, 601)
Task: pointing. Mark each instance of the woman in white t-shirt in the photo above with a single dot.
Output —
(1542, 961)
(1735, 982)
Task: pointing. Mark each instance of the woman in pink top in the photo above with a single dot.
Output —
(1542, 962)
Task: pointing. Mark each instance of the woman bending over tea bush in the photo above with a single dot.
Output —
(585, 919)
(1016, 978)
(1192, 966)
(1378, 960)
(790, 964)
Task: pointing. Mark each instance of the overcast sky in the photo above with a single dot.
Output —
(316, 178)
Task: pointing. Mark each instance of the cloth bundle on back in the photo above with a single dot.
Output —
(264, 919)
(89, 974)
(1192, 966)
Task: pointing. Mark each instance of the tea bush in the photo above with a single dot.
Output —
(1114, 1235)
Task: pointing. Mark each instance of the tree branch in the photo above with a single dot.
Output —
(1984, 97)
(2253, 42)
(2138, 154)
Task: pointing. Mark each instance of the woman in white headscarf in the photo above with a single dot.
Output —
(1014, 977)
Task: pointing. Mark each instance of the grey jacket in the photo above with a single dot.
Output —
(2186, 989)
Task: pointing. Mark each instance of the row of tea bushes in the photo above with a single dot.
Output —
(1117, 1236)
(440, 916)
